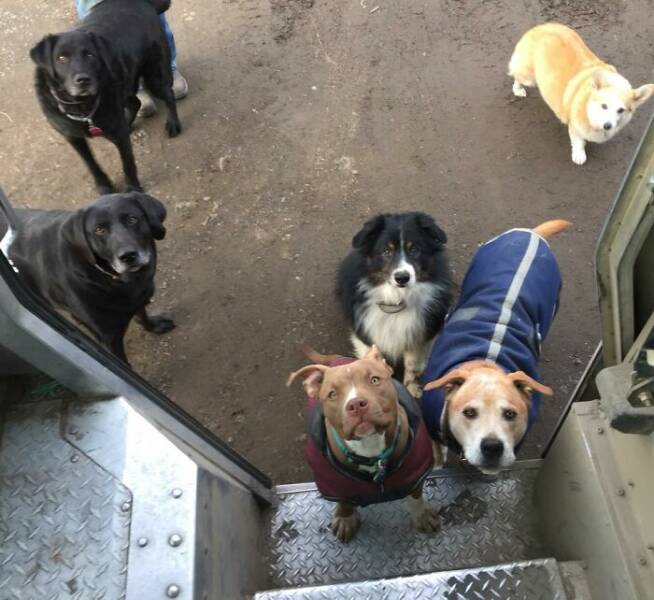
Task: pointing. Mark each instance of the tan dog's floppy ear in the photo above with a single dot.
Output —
(313, 376)
(642, 94)
(375, 354)
(453, 379)
(528, 385)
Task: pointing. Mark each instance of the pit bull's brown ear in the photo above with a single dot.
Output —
(528, 385)
(313, 376)
(452, 380)
(375, 354)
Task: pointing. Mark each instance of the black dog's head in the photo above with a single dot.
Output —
(117, 232)
(402, 249)
(77, 61)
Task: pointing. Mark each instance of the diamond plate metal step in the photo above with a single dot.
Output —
(483, 523)
(64, 521)
(529, 580)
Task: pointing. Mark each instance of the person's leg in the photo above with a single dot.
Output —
(84, 6)
(171, 41)
(180, 86)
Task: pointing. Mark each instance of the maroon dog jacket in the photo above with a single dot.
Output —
(338, 483)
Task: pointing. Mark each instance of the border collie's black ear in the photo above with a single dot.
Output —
(429, 225)
(41, 54)
(74, 233)
(110, 58)
(155, 212)
(371, 229)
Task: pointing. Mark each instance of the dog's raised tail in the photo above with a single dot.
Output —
(549, 228)
(317, 358)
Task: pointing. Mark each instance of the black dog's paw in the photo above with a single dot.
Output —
(134, 188)
(173, 128)
(159, 324)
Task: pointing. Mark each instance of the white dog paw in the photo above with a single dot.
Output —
(414, 388)
(519, 90)
(578, 156)
(345, 527)
(427, 520)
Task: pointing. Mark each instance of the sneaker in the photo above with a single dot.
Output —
(180, 85)
(148, 107)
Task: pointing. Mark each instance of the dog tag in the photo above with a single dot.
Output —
(94, 131)
(381, 473)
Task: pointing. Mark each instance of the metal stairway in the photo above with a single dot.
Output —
(489, 545)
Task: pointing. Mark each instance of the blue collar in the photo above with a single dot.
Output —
(379, 462)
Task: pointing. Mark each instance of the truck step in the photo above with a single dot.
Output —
(527, 580)
(62, 532)
(483, 523)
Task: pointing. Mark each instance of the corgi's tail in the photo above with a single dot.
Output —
(317, 358)
(549, 228)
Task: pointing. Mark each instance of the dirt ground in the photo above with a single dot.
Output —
(304, 118)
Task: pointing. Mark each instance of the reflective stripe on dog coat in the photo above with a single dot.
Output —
(508, 300)
(338, 483)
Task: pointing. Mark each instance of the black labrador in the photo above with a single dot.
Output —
(98, 263)
(87, 79)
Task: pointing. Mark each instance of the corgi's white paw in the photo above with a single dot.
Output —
(519, 90)
(578, 156)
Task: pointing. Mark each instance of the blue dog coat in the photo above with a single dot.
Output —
(508, 300)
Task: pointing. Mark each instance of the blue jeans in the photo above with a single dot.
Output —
(84, 6)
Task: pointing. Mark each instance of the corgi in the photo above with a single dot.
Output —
(585, 93)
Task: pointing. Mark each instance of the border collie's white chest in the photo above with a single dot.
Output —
(396, 332)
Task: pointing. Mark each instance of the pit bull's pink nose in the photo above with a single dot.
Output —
(356, 406)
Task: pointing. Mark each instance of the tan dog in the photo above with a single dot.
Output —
(487, 410)
(367, 441)
(585, 93)
(483, 392)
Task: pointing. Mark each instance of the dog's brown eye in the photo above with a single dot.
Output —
(509, 414)
(470, 413)
(388, 251)
(620, 111)
(604, 106)
(375, 380)
(332, 394)
(62, 58)
(99, 230)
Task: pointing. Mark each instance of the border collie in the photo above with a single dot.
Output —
(395, 290)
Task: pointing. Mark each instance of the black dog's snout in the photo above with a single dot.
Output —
(129, 257)
(492, 448)
(82, 79)
(607, 126)
(402, 277)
